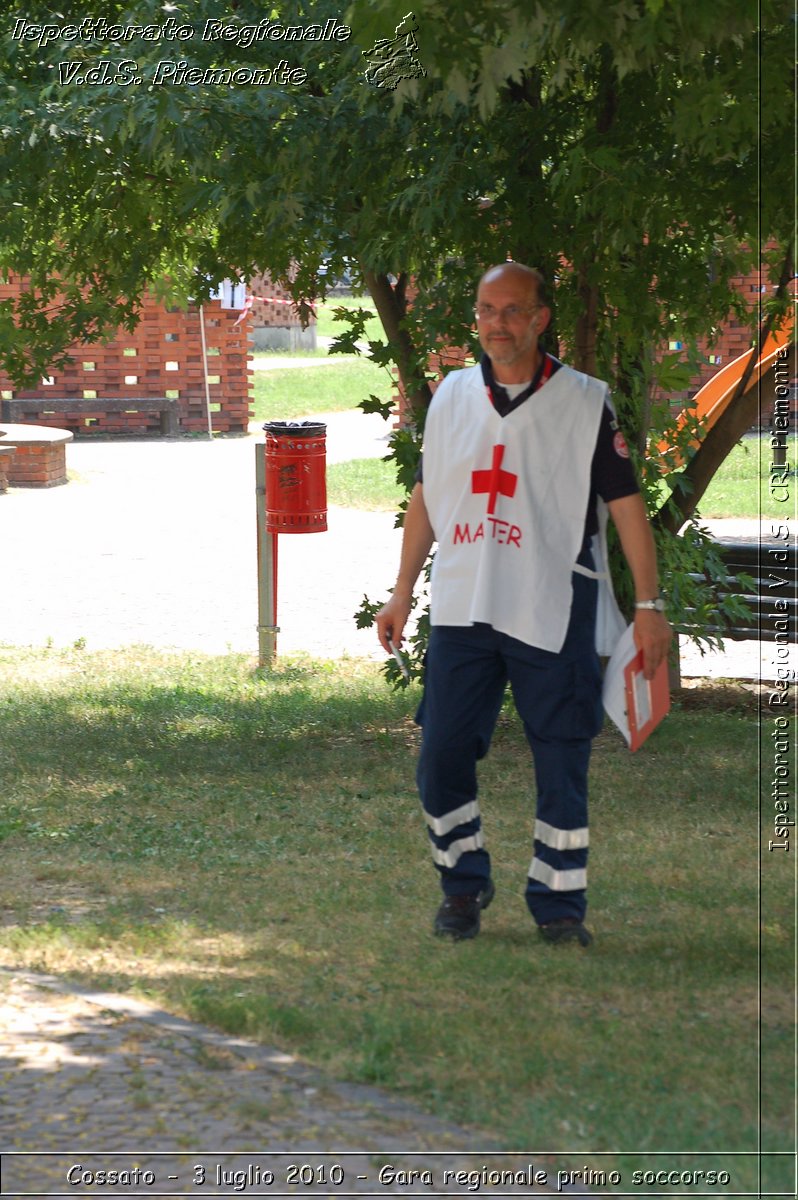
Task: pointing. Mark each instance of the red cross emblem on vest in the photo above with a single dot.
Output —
(494, 481)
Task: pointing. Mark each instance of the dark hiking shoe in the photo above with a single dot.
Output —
(458, 916)
(567, 929)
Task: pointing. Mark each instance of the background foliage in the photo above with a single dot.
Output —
(620, 146)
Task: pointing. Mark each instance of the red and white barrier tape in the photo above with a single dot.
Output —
(250, 300)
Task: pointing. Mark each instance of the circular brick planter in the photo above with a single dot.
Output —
(6, 454)
(39, 458)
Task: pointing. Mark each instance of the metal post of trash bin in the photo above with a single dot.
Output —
(291, 490)
(267, 570)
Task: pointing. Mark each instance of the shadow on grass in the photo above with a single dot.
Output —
(251, 853)
(180, 727)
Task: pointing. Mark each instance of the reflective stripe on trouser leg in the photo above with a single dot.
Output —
(463, 688)
(559, 700)
(558, 872)
(455, 834)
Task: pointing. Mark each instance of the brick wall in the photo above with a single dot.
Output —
(733, 339)
(161, 357)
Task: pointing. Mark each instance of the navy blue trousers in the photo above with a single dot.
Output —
(558, 697)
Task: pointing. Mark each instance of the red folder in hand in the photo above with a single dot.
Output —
(647, 700)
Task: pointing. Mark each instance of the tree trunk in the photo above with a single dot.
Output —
(391, 304)
(586, 332)
(586, 325)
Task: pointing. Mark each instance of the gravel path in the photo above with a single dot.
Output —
(154, 542)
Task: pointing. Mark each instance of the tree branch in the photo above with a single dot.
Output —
(740, 414)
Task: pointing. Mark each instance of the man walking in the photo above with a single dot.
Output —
(522, 459)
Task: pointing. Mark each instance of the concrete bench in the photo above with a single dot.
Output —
(32, 410)
(771, 592)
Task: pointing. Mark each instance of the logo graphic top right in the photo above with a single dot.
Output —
(394, 59)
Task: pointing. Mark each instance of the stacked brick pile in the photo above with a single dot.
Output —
(162, 357)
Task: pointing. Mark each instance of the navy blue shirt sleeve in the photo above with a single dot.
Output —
(612, 475)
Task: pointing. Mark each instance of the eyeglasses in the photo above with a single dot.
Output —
(513, 312)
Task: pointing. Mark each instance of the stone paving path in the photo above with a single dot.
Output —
(98, 1082)
(154, 542)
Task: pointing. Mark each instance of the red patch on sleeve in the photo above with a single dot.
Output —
(620, 446)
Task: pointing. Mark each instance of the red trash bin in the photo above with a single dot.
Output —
(296, 481)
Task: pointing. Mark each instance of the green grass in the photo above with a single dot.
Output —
(296, 392)
(328, 326)
(320, 352)
(742, 485)
(248, 851)
(365, 483)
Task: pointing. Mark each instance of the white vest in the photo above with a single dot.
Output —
(507, 499)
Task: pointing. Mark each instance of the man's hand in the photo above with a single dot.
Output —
(651, 629)
(416, 544)
(653, 636)
(391, 620)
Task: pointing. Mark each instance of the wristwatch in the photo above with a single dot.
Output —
(657, 605)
